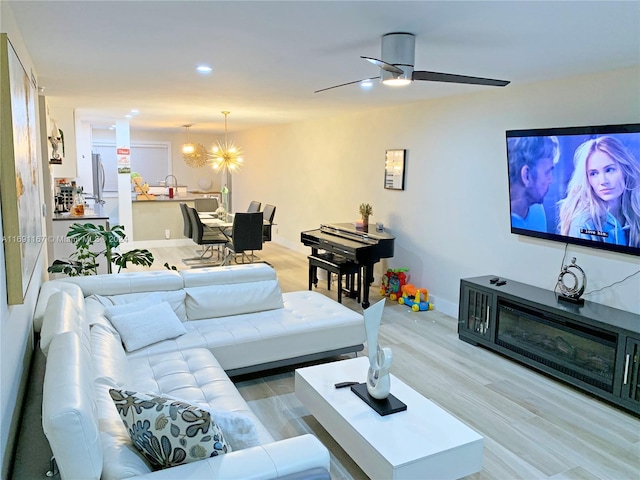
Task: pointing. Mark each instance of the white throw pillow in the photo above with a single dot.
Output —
(174, 297)
(240, 431)
(147, 326)
(122, 309)
(168, 432)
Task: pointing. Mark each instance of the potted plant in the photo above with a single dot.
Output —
(84, 261)
(365, 211)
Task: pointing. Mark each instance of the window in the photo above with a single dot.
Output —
(151, 160)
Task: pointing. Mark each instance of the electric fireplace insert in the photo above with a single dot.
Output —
(583, 352)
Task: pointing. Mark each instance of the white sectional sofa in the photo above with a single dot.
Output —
(230, 319)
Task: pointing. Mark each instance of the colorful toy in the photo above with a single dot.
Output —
(392, 282)
(416, 298)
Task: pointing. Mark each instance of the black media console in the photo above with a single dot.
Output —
(593, 347)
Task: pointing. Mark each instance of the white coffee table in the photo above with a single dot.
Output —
(423, 442)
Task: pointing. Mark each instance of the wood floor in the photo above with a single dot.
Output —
(534, 427)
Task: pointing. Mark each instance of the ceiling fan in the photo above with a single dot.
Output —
(396, 66)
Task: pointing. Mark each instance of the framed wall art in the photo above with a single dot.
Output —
(394, 169)
(19, 173)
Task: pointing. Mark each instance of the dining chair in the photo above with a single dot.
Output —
(186, 229)
(204, 235)
(268, 214)
(206, 204)
(254, 207)
(246, 236)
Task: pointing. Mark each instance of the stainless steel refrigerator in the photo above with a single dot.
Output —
(98, 178)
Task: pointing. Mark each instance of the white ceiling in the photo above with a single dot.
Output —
(104, 58)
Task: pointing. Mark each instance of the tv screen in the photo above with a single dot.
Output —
(578, 185)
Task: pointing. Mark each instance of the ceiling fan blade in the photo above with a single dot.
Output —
(345, 84)
(384, 65)
(452, 78)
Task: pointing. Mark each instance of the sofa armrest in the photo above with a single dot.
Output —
(47, 289)
(272, 460)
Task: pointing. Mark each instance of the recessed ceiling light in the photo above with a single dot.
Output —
(204, 69)
(135, 112)
(128, 116)
(366, 83)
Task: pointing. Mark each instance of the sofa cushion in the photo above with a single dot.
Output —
(128, 282)
(175, 298)
(202, 277)
(147, 326)
(133, 307)
(63, 314)
(194, 375)
(222, 291)
(233, 299)
(110, 364)
(169, 432)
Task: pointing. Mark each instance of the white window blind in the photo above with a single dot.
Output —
(151, 161)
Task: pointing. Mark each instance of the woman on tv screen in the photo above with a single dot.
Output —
(603, 194)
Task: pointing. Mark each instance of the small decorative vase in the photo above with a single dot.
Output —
(365, 222)
(378, 380)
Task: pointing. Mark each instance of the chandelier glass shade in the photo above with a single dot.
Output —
(226, 157)
(194, 154)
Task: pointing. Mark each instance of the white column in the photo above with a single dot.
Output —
(230, 188)
(125, 211)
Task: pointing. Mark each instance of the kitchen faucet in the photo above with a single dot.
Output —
(175, 180)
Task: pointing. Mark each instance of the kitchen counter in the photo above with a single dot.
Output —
(165, 198)
(95, 213)
(189, 197)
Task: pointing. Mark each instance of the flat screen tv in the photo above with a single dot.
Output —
(578, 185)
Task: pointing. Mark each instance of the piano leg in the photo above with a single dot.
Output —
(313, 271)
(366, 283)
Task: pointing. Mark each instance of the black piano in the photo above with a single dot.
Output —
(363, 247)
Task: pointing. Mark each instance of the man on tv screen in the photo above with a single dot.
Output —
(531, 164)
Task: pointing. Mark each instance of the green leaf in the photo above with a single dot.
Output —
(136, 257)
(87, 239)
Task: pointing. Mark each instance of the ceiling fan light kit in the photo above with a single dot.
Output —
(399, 50)
(398, 62)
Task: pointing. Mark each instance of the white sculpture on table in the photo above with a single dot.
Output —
(378, 381)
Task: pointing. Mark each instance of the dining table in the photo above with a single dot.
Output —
(212, 219)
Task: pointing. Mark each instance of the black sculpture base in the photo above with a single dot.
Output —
(382, 407)
(574, 300)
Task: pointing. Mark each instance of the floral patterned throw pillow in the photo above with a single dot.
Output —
(168, 432)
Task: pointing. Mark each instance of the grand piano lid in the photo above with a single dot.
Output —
(349, 230)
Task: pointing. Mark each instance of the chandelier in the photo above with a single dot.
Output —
(226, 156)
(194, 154)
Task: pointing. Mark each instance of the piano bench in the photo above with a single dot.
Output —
(341, 267)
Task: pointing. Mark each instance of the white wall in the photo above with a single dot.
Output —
(16, 322)
(452, 219)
